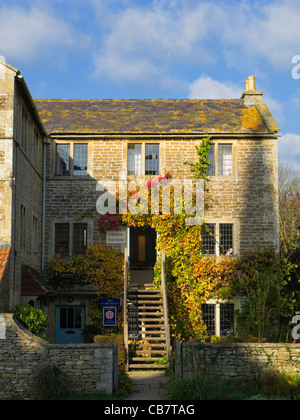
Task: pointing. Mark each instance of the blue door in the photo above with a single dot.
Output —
(70, 321)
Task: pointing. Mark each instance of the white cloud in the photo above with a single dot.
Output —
(207, 88)
(28, 35)
(149, 44)
(289, 149)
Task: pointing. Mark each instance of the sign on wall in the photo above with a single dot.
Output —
(110, 302)
(109, 316)
(116, 237)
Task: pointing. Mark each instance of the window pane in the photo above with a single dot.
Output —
(142, 248)
(62, 239)
(78, 318)
(62, 159)
(208, 317)
(63, 318)
(80, 159)
(211, 159)
(71, 318)
(80, 238)
(225, 159)
(134, 159)
(152, 159)
(227, 319)
(226, 239)
(208, 239)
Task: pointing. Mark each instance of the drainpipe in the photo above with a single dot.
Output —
(46, 141)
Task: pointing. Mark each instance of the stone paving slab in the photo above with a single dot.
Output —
(148, 385)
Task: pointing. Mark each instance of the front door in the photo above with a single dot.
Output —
(142, 255)
(70, 321)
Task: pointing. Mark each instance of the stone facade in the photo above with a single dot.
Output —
(34, 198)
(236, 360)
(91, 367)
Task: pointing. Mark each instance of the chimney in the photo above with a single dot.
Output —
(251, 95)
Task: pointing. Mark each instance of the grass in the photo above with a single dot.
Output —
(270, 386)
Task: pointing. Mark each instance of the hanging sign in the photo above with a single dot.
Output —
(109, 316)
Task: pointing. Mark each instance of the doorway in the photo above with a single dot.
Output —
(70, 321)
(142, 255)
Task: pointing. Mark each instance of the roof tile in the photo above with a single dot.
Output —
(150, 116)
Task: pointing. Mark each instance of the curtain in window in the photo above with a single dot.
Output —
(225, 159)
(134, 158)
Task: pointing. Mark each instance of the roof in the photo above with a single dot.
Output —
(29, 283)
(4, 256)
(166, 116)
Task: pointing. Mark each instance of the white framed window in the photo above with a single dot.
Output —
(218, 239)
(219, 318)
(220, 157)
(71, 159)
(143, 159)
(225, 161)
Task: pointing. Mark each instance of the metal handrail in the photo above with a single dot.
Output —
(165, 300)
(125, 304)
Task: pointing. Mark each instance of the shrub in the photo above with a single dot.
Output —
(51, 383)
(34, 320)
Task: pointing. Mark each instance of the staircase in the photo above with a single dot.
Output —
(147, 339)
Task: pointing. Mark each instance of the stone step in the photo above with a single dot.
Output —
(162, 352)
(147, 359)
(148, 345)
(159, 320)
(148, 366)
(154, 326)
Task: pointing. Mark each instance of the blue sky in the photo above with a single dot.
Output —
(159, 49)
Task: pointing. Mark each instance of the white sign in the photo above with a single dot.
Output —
(114, 237)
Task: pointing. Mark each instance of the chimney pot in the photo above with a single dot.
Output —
(251, 83)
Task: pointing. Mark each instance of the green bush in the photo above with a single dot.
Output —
(51, 383)
(34, 320)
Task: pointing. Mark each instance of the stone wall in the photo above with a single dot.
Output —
(236, 359)
(92, 367)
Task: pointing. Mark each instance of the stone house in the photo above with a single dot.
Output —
(54, 154)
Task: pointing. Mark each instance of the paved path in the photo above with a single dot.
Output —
(148, 385)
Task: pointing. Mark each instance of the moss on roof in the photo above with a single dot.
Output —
(151, 116)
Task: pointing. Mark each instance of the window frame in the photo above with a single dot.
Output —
(70, 237)
(144, 144)
(72, 174)
(218, 225)
(213, 169)
(23, 227)
(215, 316)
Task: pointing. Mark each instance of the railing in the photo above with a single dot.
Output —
(165, 300)
(125, 304)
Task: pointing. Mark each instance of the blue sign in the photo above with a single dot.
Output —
(109, 316)
(110, 302)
